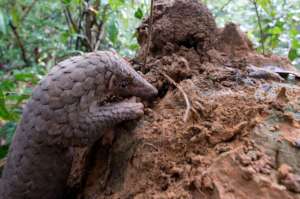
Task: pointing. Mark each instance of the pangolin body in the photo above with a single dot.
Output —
(68, 108)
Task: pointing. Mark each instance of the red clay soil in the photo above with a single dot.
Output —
(241, 138)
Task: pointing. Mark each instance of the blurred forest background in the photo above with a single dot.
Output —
(36, 34)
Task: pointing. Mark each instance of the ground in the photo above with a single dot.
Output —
(239, 139)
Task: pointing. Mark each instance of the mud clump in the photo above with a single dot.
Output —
(232, 41)
(240, 138)
(178, 24)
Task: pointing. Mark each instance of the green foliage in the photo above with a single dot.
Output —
(2, 23)
(6, 132)
(139, 13)
(15, 88)
(115, 4)
(3, 151)
(113, 32)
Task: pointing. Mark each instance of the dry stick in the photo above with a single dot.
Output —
(19, 42)
(223, 7)
(28, 10)
(78, 39)
(187, 101)
(69, 16)
(101, 28)
(67, 19)
(259, 24)
(69, 45)
(2, 163)
(99, 35)
(83, 38)
(88, 27)
(149, 32)
(151, 145)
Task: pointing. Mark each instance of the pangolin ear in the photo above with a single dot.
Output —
(130, 78)
(112, 82)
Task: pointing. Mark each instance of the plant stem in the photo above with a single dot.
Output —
(149, 32)
(259, 25)
(19, 43)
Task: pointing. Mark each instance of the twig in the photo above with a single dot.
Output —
(19, 43)
(2, 163)
(187, 101)
(149, 32)
(82, 39)
(223, 7)
(151, 145)
(99, 36)
(28, 10)
(100, 27)
(88, 26)
(78, 39)
(97, 4)
(69, 16)
(259, 25)
(70, 41)
(67, 19)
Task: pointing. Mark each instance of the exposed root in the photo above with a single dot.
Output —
(149, 32)
(150, 145)
(187, 101)
(2, 163)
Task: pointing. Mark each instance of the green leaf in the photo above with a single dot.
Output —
(295, 44)
(7, 85)
(265, 5)
(64, 37)
(15, 14)
(4, 113)
(276, 30)
(8, 131)
(3, 151)
(115, 4)
(139, 13)
(17, 98)
(134, 47)
(66, 1)
(113, 32)
(293, 32)
(25, 77)
(293, 54)
(2, 23)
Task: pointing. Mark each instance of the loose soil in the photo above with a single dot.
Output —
(242, 135)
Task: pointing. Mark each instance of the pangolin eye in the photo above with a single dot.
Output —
(123, 83)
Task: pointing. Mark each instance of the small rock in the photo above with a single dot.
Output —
(197, 182)
(248, 173)
(253, 155)
(284, 170)
(207, 183)
(288, 179)
(291, 182)
(176, 172)
(297, 143)
(244, 159)
(197, 159)
(221, 148)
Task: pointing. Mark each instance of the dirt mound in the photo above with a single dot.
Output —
(232, 41)
(177, 24)
(223, 126)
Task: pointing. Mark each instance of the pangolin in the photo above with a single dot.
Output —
(70, 107)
